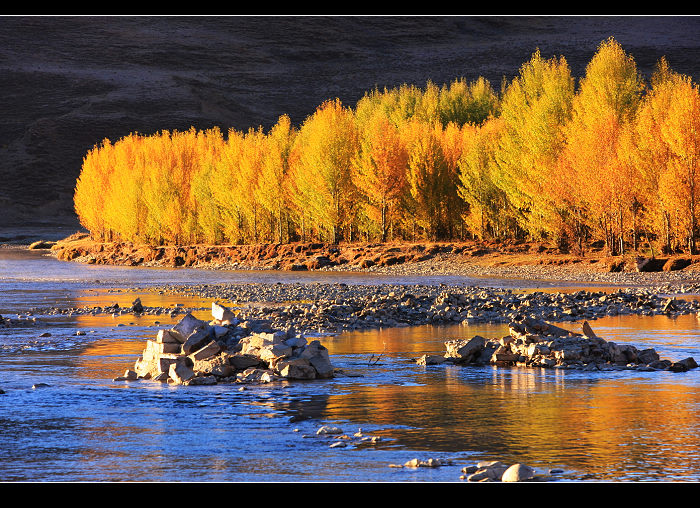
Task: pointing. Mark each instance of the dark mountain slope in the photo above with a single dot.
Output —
(69, 82)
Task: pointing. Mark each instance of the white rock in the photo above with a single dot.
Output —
(329, 429)
(518, 473)
(221, 313)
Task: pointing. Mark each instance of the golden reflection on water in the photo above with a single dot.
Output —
(592, 422)
(607, 423)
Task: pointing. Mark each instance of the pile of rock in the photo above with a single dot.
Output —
(536, 343)
(496, 471)
(226, 350)
(486, 471)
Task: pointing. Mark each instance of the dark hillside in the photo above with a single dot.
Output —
(69, 82)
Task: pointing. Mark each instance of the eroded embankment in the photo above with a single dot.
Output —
(500, 259)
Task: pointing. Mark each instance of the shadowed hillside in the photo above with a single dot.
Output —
(69, 82)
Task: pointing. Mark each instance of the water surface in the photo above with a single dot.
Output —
(83, 426)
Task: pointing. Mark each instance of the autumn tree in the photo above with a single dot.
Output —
(488, 209)
(680, 130)
(270, 191)
(379, 171)
(320, 166)
(607, 99)
(534, 108)
(428, 177)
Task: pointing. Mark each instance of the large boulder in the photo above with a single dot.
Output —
(221, 313)
(518, 473)
(197, 339)
(180, 373)
(243, 361)
(186, 326)
(212, 348)
(317, 355)
(296, 368)
(218, 366)
(462, 350)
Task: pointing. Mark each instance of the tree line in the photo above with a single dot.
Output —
(608, 157)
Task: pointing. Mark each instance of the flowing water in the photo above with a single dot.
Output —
(83, 426)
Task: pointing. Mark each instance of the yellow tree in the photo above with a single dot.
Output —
(650, 155)
(467, 103)
(379, 171)
(92, 186)
(206, 212)
(607, 99)
(680, 130)
(224, 183)
(270, 190)
(246, 177)
(428, 177)
(534, 108)
(487, 211)
(324, 148)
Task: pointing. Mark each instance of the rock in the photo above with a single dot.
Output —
(660, 364)
(462, 351)
(254, 343)
(274, 352)
(425, 463)
(136, 306)
(329, 429)
(587, 331)
(222, 313)
(254, 375)
(151, 364)
(155, 347)
(186, 326)
(165, 336)
(210, 349)
(242, 361)
(647, 356)
(683, 365)
(317, 355)
(487, 471)
(670, 305)
(296, 342)
(296, 368)
(220, 331)
(218, 366)
(180, 373)
(197, 339)
(431, 360)
(201, 381)
(518, 473)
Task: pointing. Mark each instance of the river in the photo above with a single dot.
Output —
(82, 426)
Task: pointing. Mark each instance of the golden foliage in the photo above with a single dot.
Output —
(609, 159)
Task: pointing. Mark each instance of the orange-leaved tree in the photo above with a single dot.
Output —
(379, 171)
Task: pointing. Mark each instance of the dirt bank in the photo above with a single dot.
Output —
(500, 259)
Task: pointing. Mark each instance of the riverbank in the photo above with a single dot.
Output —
(515, 260)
